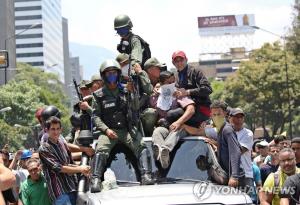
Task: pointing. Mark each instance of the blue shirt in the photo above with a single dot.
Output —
(256, 180)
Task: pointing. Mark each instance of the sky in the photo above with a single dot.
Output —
(169, 25)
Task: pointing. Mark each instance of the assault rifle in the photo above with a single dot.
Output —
(134, 102)
(77, 90)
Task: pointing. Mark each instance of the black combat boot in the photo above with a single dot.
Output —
(99, 163)
(145, 167)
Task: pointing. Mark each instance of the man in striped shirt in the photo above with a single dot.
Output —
(58, 166)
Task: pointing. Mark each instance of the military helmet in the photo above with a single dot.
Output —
(75, 120)
(122, 21)
(49, 112)
(109, 65)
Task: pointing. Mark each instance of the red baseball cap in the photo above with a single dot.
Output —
(178, 54)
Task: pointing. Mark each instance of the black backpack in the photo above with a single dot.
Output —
(124, 48)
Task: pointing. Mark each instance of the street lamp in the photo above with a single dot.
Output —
(5, 109)
(17, 34)
(5, 46)
(286, 74)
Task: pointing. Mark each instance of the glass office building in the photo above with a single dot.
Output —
(39, 35)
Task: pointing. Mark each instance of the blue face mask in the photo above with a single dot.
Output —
(123, 31)
(112, 78)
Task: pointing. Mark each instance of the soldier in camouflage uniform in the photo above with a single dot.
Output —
(110, 113)
(131, 44)
(82, 112)
(145, 90)
(96, 83)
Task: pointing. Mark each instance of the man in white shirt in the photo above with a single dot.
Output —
(245, 138)
(263, 156)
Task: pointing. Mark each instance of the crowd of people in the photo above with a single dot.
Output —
(133, 96)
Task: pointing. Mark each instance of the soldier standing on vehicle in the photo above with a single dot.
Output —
(110, 109)
(143, 80)
(130, 43)
(82, 111)
(85, 108)
(145, 89)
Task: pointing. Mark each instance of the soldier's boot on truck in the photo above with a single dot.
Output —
(99, 163)
(145, 167)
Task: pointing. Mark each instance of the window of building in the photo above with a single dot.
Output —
(25, 55)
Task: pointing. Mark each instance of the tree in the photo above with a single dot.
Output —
(30, 89)
(293, 39)
(260, 87)
(11, 136)
(218, 88)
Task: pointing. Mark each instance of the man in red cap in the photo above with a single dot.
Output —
(192, 82)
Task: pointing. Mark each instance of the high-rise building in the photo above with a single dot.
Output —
(7, 42)
(67, 67)
(42, 44)
(76, 73)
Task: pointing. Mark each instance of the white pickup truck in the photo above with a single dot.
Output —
(183, 183)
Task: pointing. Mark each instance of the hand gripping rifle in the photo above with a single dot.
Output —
(133, 102)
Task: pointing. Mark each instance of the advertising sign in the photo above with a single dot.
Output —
(229, 24)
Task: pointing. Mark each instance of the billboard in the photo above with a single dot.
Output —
(228, 24)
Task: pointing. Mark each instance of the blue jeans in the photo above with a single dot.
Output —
(66, 199)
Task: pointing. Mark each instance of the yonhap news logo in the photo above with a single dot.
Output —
(204, 190)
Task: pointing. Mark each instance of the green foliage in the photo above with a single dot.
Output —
(218, 88)
(293, 39)
(29, 90)
(23, 98)
(9, 135)
(260, 87)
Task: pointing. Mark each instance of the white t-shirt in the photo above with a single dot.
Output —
(245, 138)
(21, 175)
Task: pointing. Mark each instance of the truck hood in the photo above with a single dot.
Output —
(179, 193)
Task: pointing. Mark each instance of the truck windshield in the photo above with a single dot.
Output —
(188, 161)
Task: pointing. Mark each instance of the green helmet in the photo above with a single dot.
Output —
(122, 21)
(109, 65)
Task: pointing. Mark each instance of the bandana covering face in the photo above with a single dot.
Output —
(166, 98)
(112, 78)
(218, 121)
(123, 31)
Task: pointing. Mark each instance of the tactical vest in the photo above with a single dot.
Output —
(113, 110)
(122, 48)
